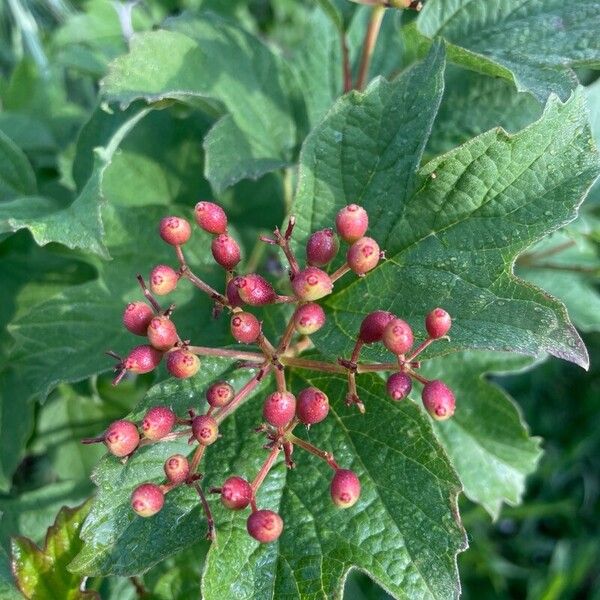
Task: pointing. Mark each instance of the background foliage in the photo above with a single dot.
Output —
(87, 167)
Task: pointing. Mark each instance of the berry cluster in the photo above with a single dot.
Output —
(283, 410)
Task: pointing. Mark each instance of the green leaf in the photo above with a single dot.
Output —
(533, 44)
(452, 234)
(486, 439)
(41, 573)
(8, 591)
(16, 175)
(205, 58)
(28, 133)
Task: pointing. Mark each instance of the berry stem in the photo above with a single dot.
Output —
(279, 299)
(314, 365)
(369, 43)
(264, 470)
(283, 242)
(419, 349)
(198, 454)
(345, 268)
(280, 379)
(347, 72)
(167, 438)
(286, 338)
(236, 354)
(155, 305)
(210, 534)
(326, 456)
(416, 376)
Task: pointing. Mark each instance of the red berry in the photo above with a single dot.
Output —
(398, 336)
(142, 359)
(438, 400)
(122, 438)
(245, 327)
(219, 394)
(174, 230)
(322, 247)
(345, 488)
(158, 422)
(399, 386)
(163, 280)
(309, 318)
(182, 363)
(255, 290)
(279, 408)
(177, 468)
(363, 255)
(211, 217)
(225, 251)
(162, 333)
(312, 284)
(352, 222)
(236, 493)
(312, 407)
(233, 296)
(205, 429)
(438, 323)
(371, 329)
(147, 499)
(265, 526)
(137, 317)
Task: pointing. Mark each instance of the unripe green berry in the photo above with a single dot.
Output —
(122, 438)
(175, 230)
(147, 499)
(137, 317)
(225, 251)
(158, 422)
(236, 493)
(438, 323)
(373, 325)
(352, 222)
(177, 468)
(163, 280)
(345, 488)
(438, 400)
(211, 217)
(219, 394)
(312, 406)
(162, 333)
(363, 255)
(322, 247)
(279, 408)
(264, 526)
(398, 336)
(312, 284)
(245, 327)
(398, 386)
(309, 318)
(255, 290)
(182, 363)
(205, 429)
(142, 359)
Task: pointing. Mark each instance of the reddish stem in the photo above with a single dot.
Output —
(346, 64)
(419, 349)
(195, 280)
(369, 45)
(155, 305)
(210, 534)
(264, 470)
(235, 354)
(339, 272)
(322, 454)
(198, 454)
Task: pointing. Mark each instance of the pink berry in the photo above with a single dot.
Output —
(309, 318)
(236, 493)
(279, 408)
(182, 363)
(147, 499)
(225, 251)
(121, 438)
(345, 488)
(255, 290)
(162, 333)
(265, 526)
(398, 336)
(219, 394)
(142, 359)
(352, 222)
(163, 280)
(438, 323)
(245, 327)
(438, 400)
(174, 230)
(211, 217)
(158, 422)
(137, 317)
(312, 406)
(363, 255)
(177, 468)
(312, 284)
(399, 386)
(371, 329)
(233, 296)
(205, 429)
(322, 247)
